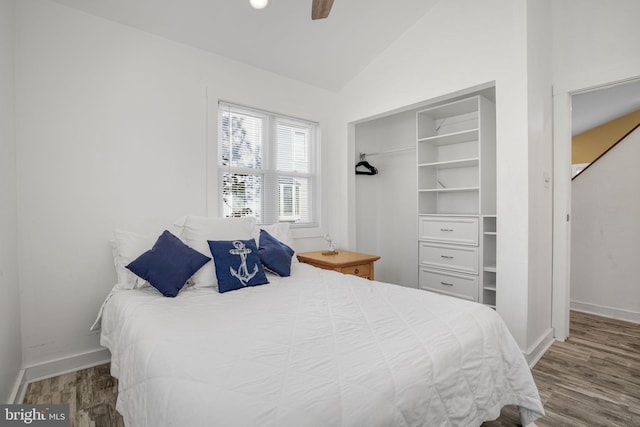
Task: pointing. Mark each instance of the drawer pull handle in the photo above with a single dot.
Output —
(446, 257)
(446, 229)
(446, 284)
(356, 271)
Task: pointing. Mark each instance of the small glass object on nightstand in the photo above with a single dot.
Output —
(332, 246)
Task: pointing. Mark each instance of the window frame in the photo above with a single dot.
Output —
(270, 175)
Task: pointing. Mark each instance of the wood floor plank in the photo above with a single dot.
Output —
(90, 393)
(592, 379)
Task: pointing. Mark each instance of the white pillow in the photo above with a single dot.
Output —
(279, 230)
(126, 247)
(196, 230)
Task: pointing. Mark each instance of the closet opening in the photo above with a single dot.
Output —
(386, 204)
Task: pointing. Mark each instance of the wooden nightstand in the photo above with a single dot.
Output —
(344, 261)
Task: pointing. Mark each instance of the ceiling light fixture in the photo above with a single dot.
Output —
(259, 4)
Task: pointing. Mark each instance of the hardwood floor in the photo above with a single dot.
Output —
(592, 379)
(90, 393)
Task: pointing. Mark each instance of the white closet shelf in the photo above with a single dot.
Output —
(455, 108)
(491, 288)
(448, 190)
(490, 268)
(457, 215)
(452, 138)
(450, 164)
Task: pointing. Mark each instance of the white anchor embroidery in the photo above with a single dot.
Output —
(243, 272)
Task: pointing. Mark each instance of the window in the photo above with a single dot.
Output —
(267, 166)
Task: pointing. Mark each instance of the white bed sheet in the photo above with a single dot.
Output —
(316, 349)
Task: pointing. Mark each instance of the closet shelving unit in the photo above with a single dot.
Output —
(456, 198)
(489, 237)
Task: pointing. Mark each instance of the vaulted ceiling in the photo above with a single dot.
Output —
(325, 53)
(281, 38)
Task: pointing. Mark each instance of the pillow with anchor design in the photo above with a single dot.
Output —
(237, 263)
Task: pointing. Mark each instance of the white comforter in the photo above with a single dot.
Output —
(316, 349)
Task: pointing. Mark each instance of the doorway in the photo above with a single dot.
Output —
(577, 110)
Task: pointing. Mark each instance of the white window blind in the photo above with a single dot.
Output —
(267, 166)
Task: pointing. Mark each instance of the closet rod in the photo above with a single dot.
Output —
(363, 155)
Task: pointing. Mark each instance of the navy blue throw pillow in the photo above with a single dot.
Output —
(275, 255)
(237, 264)
(168, 264)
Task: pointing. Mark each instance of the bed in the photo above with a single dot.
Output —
(317, 348)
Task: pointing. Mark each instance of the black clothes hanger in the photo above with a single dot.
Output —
(369, 170)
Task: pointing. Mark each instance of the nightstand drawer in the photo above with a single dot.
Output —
(458, 285)
(362, 270)
(449, 229)
(459, 258)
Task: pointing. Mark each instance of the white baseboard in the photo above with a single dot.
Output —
(16, 388)
(539, 348)
(57, 367)
(611, 312)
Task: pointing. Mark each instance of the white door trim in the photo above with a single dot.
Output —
(561, 215)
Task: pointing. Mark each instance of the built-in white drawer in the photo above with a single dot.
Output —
(457, 285)
(458, 258)
(462, 230)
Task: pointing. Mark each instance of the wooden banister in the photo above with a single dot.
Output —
(606, 151)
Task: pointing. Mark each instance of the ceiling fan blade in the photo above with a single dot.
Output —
(321, 8)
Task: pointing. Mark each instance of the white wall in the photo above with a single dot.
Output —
(594, 42)
(113, 132)
(386, 204)
(593, 45)
(539, 75)
(10, 346)
(457, 45)
(605, 234)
